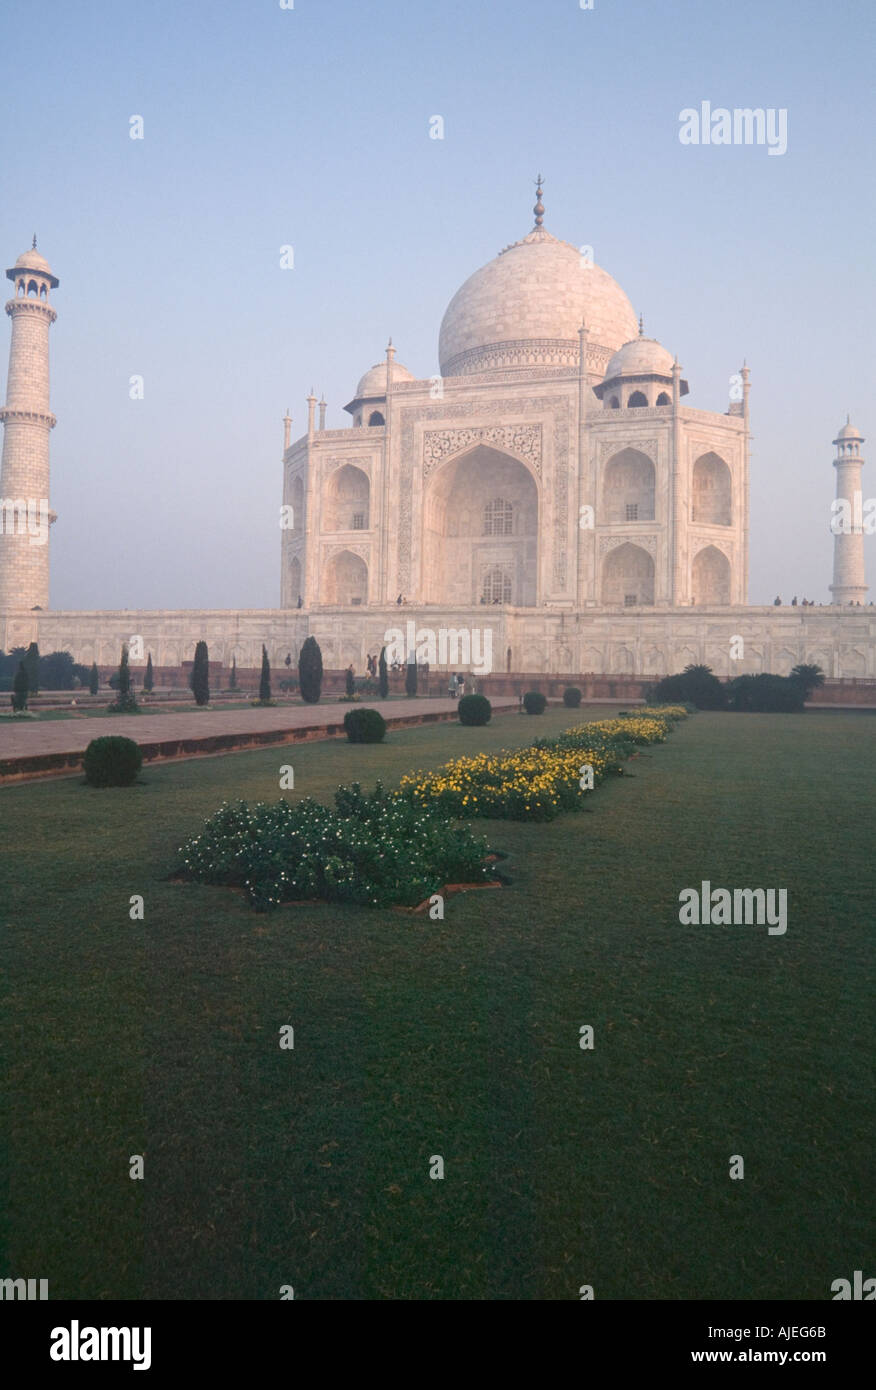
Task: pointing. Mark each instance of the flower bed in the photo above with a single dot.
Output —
(376, 849)
(391, 848)
(539, 782)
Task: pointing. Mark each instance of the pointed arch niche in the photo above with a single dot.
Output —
(710, 578)
(628, 577)
(628, 485)
(711, 492)
(346, 580)
(346, 500)
(480, 520)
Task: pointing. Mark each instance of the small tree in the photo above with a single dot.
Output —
(57, 671)
(125, 702)
(124, 683)
(808, 677)
(382, 675)
(695, 685)
(32, 667)
(149, 678)
(20, 688)
(265, 679)
(94, 682)
(232, 682)
(411, 679)
(200, 678)
(310, 671)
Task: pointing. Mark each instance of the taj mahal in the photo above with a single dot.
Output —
(550, 484)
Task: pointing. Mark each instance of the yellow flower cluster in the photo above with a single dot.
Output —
(671, 712)
(539, 782)
(634, 728)
(524, 784)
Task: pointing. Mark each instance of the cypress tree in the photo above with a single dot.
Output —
(201, 675)
(124, 673)
(265, 681)
(20, 688)
(232, 683)
(148, 679)
(310, 671)
(411, 679)
(351, 683)
(32, 667)
(125, 701)
(94, 682)
(383, 675)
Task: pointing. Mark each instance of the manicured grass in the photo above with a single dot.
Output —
(460, 1038)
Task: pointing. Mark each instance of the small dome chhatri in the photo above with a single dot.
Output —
(373, 383)
(32, 260)
(848, 431)
(640, 361)
(640, 357)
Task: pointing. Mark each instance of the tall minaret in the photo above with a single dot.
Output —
(849, 581)
(27, 420)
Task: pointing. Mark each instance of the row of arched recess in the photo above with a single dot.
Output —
(31, 289)
(627, 579)
(506, 504)
(480, 530)
(637, 398)
(629, 484)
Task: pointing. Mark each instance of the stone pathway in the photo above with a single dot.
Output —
(27, 738)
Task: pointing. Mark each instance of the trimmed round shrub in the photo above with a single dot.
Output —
(365, 726)
(475, 709)
(571, 697)
(534, 702)
(112, 762)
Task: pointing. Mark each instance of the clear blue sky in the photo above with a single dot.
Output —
(309, 127)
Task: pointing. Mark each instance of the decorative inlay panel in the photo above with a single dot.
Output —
(608, 447)
(698, 543)
(363, 461)
(525, 352)
(524, 441)
(335, 547)
(607, 543)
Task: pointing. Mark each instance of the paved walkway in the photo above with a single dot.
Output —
(22, 738)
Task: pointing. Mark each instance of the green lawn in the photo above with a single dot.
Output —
(460, 1038)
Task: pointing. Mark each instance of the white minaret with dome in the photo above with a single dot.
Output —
(27, 421)
(849, 579)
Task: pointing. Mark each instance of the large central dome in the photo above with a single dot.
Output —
(525, 308)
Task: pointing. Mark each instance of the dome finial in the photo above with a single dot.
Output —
(34, 241)
(641, 326)
(539, 205)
